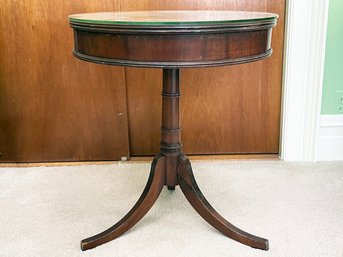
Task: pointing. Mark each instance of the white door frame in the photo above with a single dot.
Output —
(304, 57)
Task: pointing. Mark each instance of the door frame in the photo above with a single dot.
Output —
(303, 70)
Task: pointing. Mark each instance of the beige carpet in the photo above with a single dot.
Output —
(45, 211)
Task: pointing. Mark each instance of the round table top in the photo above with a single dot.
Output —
(180, 17)
(173, 38)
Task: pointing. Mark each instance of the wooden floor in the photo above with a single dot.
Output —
(272, 157)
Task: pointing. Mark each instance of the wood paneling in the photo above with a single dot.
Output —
(232, 109)
(53, 106)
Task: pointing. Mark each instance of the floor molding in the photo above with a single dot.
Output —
(264, 157)
(330, 141)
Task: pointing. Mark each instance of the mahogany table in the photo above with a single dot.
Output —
(172, 40)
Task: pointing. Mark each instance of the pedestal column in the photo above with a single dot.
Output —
(170, 145)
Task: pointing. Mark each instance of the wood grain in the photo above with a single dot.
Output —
(231, 109)
(211, 47)
(53, 106)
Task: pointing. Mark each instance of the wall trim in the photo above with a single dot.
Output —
(305, 41)
(330, 143)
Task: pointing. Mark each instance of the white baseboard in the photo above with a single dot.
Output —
(330, 141)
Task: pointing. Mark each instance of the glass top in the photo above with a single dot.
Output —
(171, 17)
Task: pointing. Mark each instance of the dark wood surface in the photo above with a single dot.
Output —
(130, 48)
(149, 196)
(194, 196)
(170, 167)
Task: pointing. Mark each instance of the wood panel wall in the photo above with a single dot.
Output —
(232, 109)
(54, 107)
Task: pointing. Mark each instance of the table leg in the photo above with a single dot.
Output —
(145, 202)
(193, 194)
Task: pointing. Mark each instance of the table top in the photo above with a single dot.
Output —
(179, 17)
(173, 38)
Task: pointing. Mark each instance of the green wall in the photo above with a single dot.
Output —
(333, 74)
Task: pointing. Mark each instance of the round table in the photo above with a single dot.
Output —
(172, 40)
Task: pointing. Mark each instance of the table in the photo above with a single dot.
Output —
(172, 40)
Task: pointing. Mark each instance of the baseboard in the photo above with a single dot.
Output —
(244, 157)
(330, 140)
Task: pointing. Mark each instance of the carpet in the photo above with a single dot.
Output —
(46, 211)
